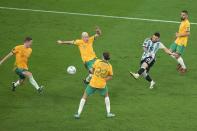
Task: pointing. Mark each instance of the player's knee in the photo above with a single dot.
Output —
(107, 95)
(177, 56)
(29, 74)
(85, 96)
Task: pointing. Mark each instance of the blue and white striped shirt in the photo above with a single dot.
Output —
(151, 48)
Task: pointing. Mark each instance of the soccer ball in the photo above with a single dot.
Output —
(71, 70)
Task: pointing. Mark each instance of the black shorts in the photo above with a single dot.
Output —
(150, 61)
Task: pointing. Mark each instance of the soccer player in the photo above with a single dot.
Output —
(102, 72)
(150, 47)
(22, 54)
(85, 45)
(181, 41)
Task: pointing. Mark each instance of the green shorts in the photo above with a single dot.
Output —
(177, 48)
(19, 72)
(90, 64)
(90, 90)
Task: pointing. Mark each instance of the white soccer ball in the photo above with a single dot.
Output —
(71, 70)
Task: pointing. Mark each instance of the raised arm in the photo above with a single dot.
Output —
(60, 42)
(6, 57)
(98, 32)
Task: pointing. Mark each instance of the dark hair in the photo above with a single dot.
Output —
(28, 39)
(106, 55)
(185, 11)
(157, 34)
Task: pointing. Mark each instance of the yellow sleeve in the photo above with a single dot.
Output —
(15, 50)
(92, 38)
(187, 26)
(110, 71)
(77, 42)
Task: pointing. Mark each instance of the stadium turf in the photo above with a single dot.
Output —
(171, 106)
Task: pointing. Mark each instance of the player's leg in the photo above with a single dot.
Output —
(33, 81)
(104, 92)
(144, 66)
(149, 79)
(89, 66)
(179, 50)
(88, 91)
(21, 79)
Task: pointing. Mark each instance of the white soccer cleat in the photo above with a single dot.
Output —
(110, 115)
(135, 75)
(76, 116)
(152, 83)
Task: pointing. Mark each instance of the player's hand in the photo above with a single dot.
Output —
(59, 42)
(98, 30)
(177, 34)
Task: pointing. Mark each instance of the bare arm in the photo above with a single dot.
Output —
(98, 32)
(60, 42)
(108, 78)
(167, 51)
(6, 57)
(183, 34)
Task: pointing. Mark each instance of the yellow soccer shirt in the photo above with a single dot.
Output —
(102, 69)
(22, 54)
(184, 27)
(86, 49)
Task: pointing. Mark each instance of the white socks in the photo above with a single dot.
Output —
(107, 103)
(180, 61)
(33, 82)
(88, 78)
(81, 105)
(17, 83)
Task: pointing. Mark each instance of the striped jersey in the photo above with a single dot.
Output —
(151, 48)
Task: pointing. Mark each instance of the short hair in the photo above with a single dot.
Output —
(106, 55)
(27, 39)
(185, 11)
(157, 34)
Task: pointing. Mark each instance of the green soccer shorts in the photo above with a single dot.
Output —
(19, 72)
(91, 90)
(177, 48)
(90, 64)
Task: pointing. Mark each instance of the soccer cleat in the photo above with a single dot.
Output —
(182, 71)
(40, 90)
(77, 116)
(110, 115)
(13, 86)
(152, 83)
(178, 67)
(135, 75)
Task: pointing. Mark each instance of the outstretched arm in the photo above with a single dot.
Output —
(167, 51)
(6, 57)
(60, 42)
(98, 32)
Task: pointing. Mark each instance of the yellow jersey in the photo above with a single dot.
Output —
(22, 55)
(102, 70)
(184, 27)
(86, 49)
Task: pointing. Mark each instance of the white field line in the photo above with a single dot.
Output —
(92, 15)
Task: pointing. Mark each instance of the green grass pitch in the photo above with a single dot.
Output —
(171, 106)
